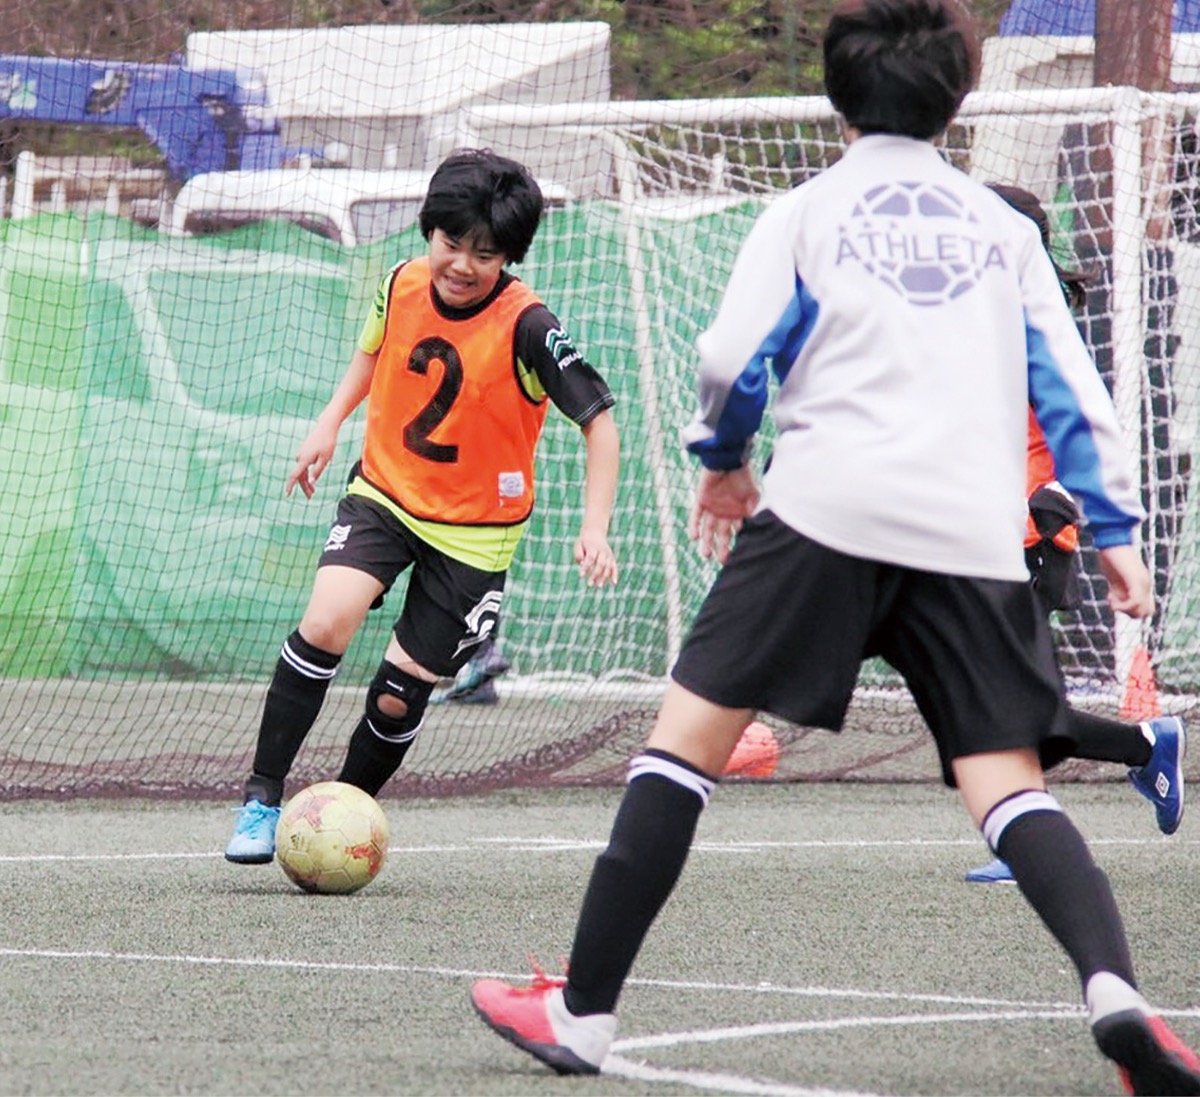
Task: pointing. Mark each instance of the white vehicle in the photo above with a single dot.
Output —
(349, 205)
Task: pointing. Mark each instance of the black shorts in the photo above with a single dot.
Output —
(788, 622)
(450, 607)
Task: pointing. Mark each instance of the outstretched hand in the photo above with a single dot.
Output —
(316, 451)
(723, 500)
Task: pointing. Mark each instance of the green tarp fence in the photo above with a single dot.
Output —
(154, 391)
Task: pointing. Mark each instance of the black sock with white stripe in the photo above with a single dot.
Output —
(294, 699)
(1054, 869)
(633, 877)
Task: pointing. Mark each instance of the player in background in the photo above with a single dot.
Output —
(475, 683)
(458, 361)
(1153, 749)
(867, 540)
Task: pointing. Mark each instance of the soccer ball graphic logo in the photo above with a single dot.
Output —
(332, 838)
(919, 240)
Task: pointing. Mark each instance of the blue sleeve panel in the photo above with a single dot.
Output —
(746, 400)
(1078, 462)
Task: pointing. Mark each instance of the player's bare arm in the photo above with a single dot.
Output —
(1130, 588)
(595, 557)
(316, 451)
(723, 500)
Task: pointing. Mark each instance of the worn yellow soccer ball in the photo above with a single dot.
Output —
(332, 838)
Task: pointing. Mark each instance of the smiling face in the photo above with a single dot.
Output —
(465, 269)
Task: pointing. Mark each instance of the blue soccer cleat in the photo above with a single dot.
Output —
(994, 872)
(1160, 780)
(253, 841)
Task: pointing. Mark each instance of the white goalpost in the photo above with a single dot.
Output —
(687, 154)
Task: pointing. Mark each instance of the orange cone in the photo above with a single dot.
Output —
(756, 754)
(1141, 691)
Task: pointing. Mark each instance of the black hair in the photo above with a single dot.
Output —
(1073, 282)
(476, 192)
(900, 66)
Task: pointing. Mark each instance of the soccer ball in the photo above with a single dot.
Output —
(331, 838)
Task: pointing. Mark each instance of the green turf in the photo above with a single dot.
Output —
(836, 913)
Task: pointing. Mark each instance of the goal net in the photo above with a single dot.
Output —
(154, 389)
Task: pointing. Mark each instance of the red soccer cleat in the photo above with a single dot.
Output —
(1150, 1058)
(537, 1020)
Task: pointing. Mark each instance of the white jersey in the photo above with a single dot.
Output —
(910, 317)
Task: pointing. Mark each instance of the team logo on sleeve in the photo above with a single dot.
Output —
(561, 349)
(919, 240)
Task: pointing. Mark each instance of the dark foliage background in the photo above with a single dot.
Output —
(661, 49)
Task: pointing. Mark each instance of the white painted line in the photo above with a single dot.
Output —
(523, 977)
(558, 844)
(721, 1083)
(616, 1064)
(834, 1024)
(248, 962)
(776, 989)
(566, 845)
(37, 858)
(1051, 1008)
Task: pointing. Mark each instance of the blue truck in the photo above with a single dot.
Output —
(202, 120)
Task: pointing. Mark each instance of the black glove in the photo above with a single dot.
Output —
(1052, 510)
(1051, 561)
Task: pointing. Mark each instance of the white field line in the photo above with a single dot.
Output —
(720, 1083)
(616, 1064)
(559, 844)
(567, 845)
(760, 988)
(833, 1024)
(207, 855)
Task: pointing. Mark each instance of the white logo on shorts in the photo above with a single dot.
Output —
(481, 620)
(337, 538)
(511, 485)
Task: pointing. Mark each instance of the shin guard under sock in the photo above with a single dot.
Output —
(294, 698)
(381, 741)
(1054, 869)
(371, 761)
(633, 877)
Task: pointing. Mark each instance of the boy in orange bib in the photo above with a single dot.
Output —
(458, 362)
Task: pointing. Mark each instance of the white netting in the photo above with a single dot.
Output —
(155, 386)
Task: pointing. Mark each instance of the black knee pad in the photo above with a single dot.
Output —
(391, 681)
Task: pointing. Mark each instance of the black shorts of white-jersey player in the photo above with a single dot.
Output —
(1153, 748)
(783, 600)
